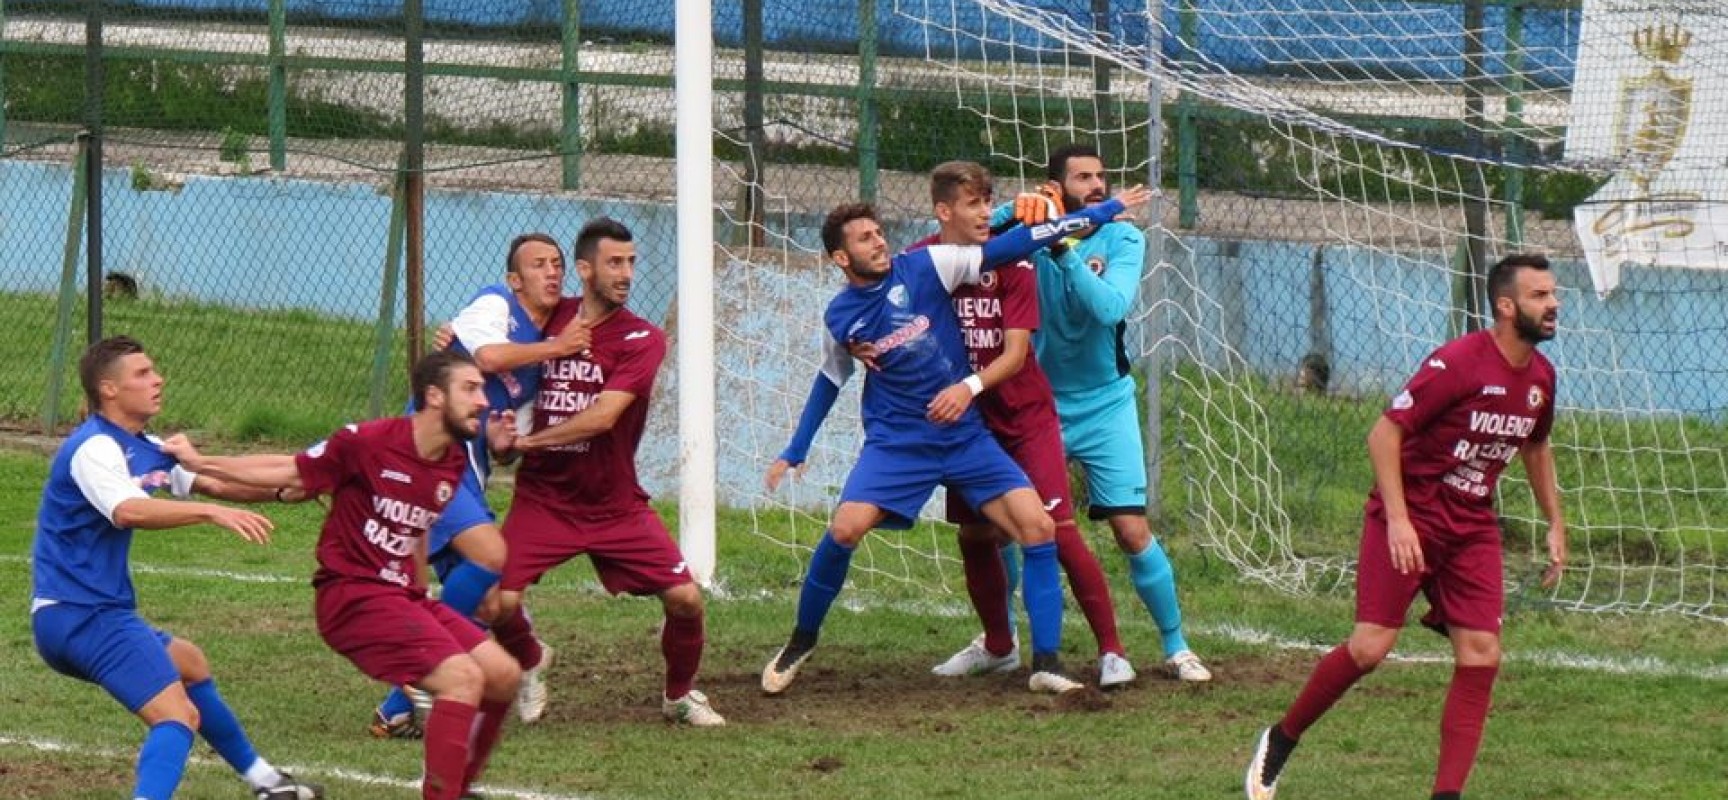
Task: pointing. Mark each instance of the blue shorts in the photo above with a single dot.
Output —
(1101, 431)
(899, 477)
(111, 647)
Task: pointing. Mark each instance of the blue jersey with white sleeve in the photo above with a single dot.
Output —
(495, 316)
(909, 317)
(79, 555)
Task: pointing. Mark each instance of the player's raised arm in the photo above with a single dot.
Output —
(957, 264)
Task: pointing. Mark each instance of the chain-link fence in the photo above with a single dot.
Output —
(289, 189)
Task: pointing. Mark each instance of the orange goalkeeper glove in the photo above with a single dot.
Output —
(1043, 205)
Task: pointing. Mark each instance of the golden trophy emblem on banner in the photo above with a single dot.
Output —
(1650, 124)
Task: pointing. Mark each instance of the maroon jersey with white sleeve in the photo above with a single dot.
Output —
(1003, 299)
(594, 478)
(1465, 415)
(384, 497)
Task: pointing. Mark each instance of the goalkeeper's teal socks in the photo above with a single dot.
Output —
(1155, 582)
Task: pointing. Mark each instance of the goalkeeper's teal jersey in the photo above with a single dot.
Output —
(1085, 296)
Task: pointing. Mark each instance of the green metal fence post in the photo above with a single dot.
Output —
(2, 80)
(1104, 115)
(278, 99)
(95, 82)
(570, 137)
(867, 121)
(1514, 131)
(385, 327)
(1474, 187)
(414, 146)
(1187, 138)
(58, 357)
(752, 196)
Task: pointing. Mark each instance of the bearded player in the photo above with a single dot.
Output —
(389, 480)
(577, 491)
(1430, 526)
(501, 328)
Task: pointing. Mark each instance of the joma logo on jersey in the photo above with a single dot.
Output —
(393, 475)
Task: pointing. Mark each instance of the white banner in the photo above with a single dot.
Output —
(1650, 100)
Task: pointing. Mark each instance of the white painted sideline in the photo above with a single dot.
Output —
(312, 772)
(195, 572)
(1643, 667)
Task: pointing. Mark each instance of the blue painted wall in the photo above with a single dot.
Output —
(1658, 345)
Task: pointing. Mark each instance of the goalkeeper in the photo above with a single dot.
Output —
(1086, 286)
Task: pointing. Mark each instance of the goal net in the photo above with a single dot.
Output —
(1337, 176)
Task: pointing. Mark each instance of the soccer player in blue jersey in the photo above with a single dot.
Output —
(916, 433)
(502, 329)
(1086, 287)
(83, 611)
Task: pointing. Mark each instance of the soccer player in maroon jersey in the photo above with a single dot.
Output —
(577, 492)
(1430, 526)
(997, 318)
(389, 480)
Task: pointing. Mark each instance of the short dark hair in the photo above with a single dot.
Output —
(1503, 276)
(98, 361)
(1057, 167)
(433, 369)
(588, 240)
(949, 177)
(517, 243)
(834, 227)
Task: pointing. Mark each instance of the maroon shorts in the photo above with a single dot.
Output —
(388, 633)
(1040, 454)
(1464, 579)
(632, 552)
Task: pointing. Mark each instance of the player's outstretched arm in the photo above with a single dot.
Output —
(1021, 242)
(264, 470)
(823, 392)
(1538, 458)
(151, 513)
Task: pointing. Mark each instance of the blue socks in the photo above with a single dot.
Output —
(218, 725)
(1155, 582)
(822, 582)
(465, 586)
(395, 704)
(162, 760)
(1043, 597)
